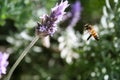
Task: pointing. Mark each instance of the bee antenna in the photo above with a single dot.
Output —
(86, 25)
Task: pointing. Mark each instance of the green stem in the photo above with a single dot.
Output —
(21, 57)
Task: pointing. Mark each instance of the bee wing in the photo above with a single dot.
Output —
(86, 32)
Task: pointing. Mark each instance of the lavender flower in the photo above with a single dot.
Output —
(76, 8)
(48, 23)
(74, 14)
(3, 62)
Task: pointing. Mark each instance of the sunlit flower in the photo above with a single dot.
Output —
(3, 62)
(48, 23)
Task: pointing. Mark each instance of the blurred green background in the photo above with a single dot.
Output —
(96, 60)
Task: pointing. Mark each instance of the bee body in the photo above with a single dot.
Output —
(92, 32)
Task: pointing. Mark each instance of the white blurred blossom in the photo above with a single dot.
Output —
(67, 42)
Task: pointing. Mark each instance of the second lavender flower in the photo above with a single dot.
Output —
(3, 63)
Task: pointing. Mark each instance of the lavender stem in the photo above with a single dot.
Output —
(21, 57)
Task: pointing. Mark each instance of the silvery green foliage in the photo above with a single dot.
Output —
(109, 46)
(111, 16)
(111, 22)
(19, 41)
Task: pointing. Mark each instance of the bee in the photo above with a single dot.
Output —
(92, 31)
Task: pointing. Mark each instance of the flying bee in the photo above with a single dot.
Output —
(92, 31)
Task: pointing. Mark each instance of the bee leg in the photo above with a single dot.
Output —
(89, 37)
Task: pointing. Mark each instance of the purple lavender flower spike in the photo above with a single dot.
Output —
(76, 7)
(75, 13)
(48, 23)
(3, 62)
(58, 10)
